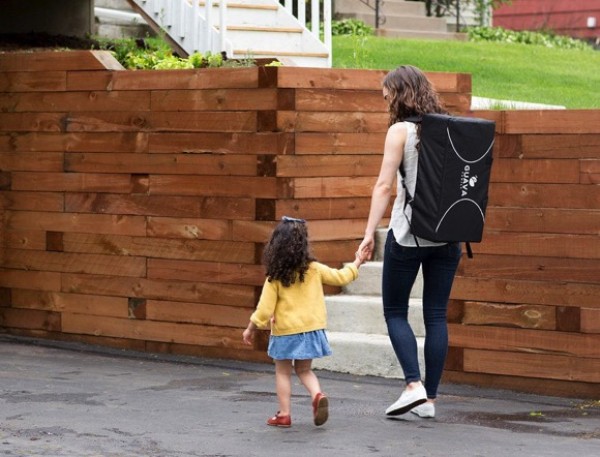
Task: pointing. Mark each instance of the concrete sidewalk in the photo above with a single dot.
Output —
(67, 399)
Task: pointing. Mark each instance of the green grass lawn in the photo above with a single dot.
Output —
(498, 70)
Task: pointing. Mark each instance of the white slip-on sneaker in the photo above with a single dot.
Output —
(426, 410)
(407, 401)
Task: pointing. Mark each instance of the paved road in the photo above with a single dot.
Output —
(64, 399)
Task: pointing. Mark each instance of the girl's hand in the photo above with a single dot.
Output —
(248, 334)
(359, 259)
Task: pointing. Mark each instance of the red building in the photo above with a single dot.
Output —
(575, 18)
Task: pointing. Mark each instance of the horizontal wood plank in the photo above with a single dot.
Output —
(354, 122)
(532, 292)
(183, 121)
(36, 280)
(189, 228)
(590, 320)
(74, 142)
(323, 208)
(32, 201)
(152, 330)
(214, 186)
(32, 122)
(214, 100)
(298, 77)
(223, 143)
(75, 263)
(328, 165)
(30, 319)
(340, 143)
(550, 387)
(161, 205)
(190, 164)
(32, 161)
(58, 61)
(530, 267)
(198, 313)
(539, 342)
(75, 101)
(70, 303)
(72, 182)
(536, 171)
(208, 78)
(333, 187)
(25, 239)
(186, 291)
(220, 272)
(540, 245)
(504, 315)
(589, 171)
(572, 196)
(552, 121)
(210, 249)
(543, 366)
(557, 146)
(340, 100)
(71, 222)
(27, 81)
(543, 220)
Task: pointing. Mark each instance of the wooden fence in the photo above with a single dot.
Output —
(136, 204)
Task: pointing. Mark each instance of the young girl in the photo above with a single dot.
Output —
(293, 304)
(408, 93)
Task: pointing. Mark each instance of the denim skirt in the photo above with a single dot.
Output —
(300, 346)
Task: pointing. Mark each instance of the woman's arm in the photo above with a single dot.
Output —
(392, 157)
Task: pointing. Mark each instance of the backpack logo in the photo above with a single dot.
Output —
(466, 181)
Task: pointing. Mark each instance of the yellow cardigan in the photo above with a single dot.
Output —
(300, 307)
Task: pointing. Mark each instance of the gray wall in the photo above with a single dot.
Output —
(64, 17)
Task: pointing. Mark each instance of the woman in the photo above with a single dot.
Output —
(409, 94)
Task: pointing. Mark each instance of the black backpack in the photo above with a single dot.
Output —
(453, 175)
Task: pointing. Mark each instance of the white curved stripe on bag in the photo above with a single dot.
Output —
(460, 157)
(455, 203)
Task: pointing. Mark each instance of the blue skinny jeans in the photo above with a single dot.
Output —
(400, 268)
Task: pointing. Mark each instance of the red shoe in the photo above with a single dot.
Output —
(320, 409)
(280, 421)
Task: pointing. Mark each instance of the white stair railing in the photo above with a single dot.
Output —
(320, 14)
(189, 24)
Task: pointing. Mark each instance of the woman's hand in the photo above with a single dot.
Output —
(366, 247)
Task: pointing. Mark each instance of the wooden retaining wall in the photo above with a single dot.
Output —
(136, 205)
(525, 311)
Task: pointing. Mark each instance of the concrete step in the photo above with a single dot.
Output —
(422, 35)
(364, 354)
(395, 6)
(364, 314)
(369, 281)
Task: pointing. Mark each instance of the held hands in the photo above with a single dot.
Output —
(366, 248)
(360, 258)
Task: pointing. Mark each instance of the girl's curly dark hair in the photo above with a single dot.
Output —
(411, 94)
(287, 254)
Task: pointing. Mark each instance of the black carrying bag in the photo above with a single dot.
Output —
(453, 175)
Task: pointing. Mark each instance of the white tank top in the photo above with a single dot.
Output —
(399, 221)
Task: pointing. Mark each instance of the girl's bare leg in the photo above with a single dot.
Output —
(283, 385)
(307, 376)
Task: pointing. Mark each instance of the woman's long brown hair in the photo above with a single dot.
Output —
(411, 94)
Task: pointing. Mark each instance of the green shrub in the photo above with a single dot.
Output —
(156, 54)
(547, 39)
(350, 27)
